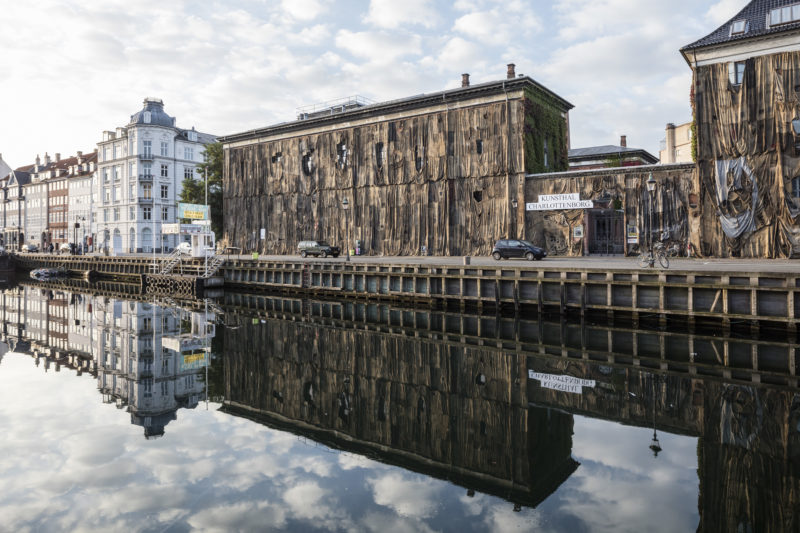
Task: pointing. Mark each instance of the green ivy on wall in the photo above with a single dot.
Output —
(543, 120)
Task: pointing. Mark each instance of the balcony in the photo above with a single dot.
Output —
(145, 177)
(146, 157)
(143, 200)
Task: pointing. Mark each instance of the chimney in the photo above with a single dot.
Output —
(669, 149)
(38, 162)
(465, 80)
(623, 141)
(46, 159)
(80, 157)
(511, 74)
(58, 157)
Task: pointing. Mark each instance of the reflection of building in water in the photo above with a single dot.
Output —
(461, 414)
(138, 366)
(450, 394)
(126, 345)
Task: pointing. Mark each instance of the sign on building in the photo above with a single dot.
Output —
(193, 211)
(182, 229)
(561, 383)
(552, 202)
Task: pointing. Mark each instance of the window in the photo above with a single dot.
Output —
(117, 172)
(147, 170)
(188, 173)
(191, 135)
(546, 150)
(784, 15)
(146, 213)
(148, 148)
(451, 139)
(796, 187)
(132, 213)
(147, 191)
(131, 170)
(479, 146)
(106, 153)
(736, 72)
(738, 26)
(107, 195)
(105, 215)
(165, 213)
(132, 195)
(114, 152)
(146, 117)
(341, 155)
(105, 175)
(188, 153)
(164, 149)
(164, 171)
(164, 192)
(379, 155)
(116, 214)
(117, 193)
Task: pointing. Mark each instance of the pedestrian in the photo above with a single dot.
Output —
(51, 247)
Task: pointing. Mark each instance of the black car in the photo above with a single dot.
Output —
(320, 248)
(508, 248)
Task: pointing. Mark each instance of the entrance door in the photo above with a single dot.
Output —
(606, 232)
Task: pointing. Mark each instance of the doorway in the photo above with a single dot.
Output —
(606, 232)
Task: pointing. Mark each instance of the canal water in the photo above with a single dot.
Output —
(254, 413)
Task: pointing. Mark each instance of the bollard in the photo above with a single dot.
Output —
(466, 259)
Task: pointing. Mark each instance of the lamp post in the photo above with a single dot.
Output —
(346, 206)
(655, 446)
(514, 217)
(651, 189)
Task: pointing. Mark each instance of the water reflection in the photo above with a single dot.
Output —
(145, 357)
(430, 414)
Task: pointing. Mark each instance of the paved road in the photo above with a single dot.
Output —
(594, 262)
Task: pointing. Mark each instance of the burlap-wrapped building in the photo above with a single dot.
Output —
(437, 173)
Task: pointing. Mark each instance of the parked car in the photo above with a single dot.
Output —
(320, 248)
(30, 247)
(508, 248)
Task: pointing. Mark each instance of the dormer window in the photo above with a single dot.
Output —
(738, 27)
(147, 117)
(784, 15)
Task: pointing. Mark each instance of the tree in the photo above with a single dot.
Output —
(194, 188)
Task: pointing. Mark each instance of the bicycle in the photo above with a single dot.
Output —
(658, 253)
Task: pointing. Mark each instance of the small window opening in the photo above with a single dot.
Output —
(736, 73)
(451, 139)
(546, 149)
(479, 146)
(276, 158)
(478, 196)
(379, 155)
(341, 155)
(796, 187)
(392, 132)
(308, 162)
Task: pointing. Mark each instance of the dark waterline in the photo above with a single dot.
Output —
(323, 416)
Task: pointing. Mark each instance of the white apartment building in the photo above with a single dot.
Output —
(140, 170)
(82, 182)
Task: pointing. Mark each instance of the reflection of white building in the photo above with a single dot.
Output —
(141, 167)
(136, 370)
(144, 362)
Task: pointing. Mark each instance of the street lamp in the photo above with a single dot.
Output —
(655, 447)
(651, 188)
(514, 217)
(346, 206)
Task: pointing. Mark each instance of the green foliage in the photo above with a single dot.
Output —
(543, 120)
(615, 161)
(694, 120)
(194, 188)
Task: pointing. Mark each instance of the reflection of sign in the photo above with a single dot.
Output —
(183, 229)
(550, 202)
(263, 234)
(577, 232)
(633, 235)
(194, 360)
(193, 211)
(561, 383)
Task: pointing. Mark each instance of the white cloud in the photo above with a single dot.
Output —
(378, 47)
(409, 496)
(304, 9)
(723, 10)
(393, 14)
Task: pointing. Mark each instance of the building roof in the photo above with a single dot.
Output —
(755, 15)
(412, 102)
(608, 151)
(158, 117)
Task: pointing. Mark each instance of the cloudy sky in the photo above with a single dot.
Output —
(73, 69)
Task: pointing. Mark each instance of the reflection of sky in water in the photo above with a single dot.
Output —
(70, 462)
